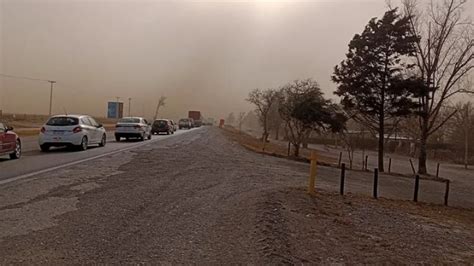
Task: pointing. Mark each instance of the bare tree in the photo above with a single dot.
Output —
(263, 100)
(445, 56)
(349, 145)
(161, 103)
(303, 108)
(251, 120)
(462, 124)
(230, 119)
(275, 121)
(240, 120)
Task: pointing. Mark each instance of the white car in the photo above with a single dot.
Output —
(71, 130)
(132, 127)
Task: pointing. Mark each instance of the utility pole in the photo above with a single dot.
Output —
(129, 106)
(117, 107)
(51, 96)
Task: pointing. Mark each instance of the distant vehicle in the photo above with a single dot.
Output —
(132, 127)
(208, 122)
(195, 115)
(198, 123)
(78, 131)
(162, 125)
(185, 123)
(10, 143)
(175, 126)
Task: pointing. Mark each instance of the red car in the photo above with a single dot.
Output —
(10, 143)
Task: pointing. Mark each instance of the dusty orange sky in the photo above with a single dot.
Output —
(202, 55)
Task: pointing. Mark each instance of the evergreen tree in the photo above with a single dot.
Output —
(372, 80)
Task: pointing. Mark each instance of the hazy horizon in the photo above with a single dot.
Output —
(201, 55)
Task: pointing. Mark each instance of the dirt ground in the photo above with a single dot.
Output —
(201, 198)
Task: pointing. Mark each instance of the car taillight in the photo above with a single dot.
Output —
(77, 130)
(117, 126)
(137, 126)
(43, 129)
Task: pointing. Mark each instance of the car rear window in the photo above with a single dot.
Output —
(160, 122)
(63, 121)
(184, 121)
(129, 120)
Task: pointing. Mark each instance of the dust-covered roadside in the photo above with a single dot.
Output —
(200, 198)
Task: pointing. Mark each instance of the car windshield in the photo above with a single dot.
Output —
(129, 120)
(63, 121)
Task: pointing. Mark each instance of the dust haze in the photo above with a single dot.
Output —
(201, 55)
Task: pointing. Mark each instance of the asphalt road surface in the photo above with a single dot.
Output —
(33, 160)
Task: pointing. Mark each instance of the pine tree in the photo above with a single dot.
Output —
(372, 80)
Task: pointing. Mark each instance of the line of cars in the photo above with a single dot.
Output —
(81, 131)
(140, 128)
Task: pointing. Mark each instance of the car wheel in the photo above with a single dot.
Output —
(167, 132)
(149, 136)
(117, 138)
(84, 144)
(103, 141)
(44, 148)
(17, 153)
(142, 137)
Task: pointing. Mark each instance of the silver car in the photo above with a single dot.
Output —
(132, 127)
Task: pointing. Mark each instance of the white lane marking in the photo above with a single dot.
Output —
(20, 177)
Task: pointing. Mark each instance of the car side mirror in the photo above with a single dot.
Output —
(9, 129)
(100, 125)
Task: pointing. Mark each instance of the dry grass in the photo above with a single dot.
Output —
(274, 149)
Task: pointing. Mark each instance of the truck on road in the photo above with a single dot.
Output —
(196, 116)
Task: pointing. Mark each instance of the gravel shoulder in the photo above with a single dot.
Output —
(200, 198)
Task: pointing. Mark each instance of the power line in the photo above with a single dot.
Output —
(21, 77)
(52, 82)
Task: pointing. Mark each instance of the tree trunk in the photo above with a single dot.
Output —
(466, 150)
(306, 136)
(265, 129)
(296, 150)
(277, 132)
(381, 148)
(305, 143)
(381, 135)
(422, 169)
(466, 138)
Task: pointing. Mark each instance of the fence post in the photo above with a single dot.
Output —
(340, 159)
(446, 193)
(343, 177)
(366, 162)
(312, 172)
(389, 165)
(417, 185)
(376, 182)
(437, 171)
(289, 148)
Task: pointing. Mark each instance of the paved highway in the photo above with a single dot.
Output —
(34, 161)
